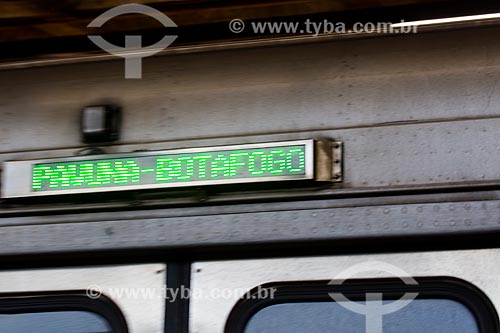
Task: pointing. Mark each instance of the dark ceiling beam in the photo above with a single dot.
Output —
(33, 28)
(75, 26)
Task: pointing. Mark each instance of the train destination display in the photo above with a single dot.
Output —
(276, 161)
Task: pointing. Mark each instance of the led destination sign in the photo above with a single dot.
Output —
(277, 161)
(171, 168)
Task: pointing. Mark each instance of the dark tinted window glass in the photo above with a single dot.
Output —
(54, 322)
(420, 316)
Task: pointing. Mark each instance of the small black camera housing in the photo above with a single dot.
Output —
(100, 123)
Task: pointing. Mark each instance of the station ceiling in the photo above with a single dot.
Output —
(35, 28)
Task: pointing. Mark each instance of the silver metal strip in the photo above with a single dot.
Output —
(244, 225)
(285, 91)
(17, 175)
(420, 155)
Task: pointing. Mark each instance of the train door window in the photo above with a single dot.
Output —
(421, 315)
(61, 313)
(444, 306)
(55, 322)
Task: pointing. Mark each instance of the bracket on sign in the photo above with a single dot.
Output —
(328, 161)
(337, 161)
